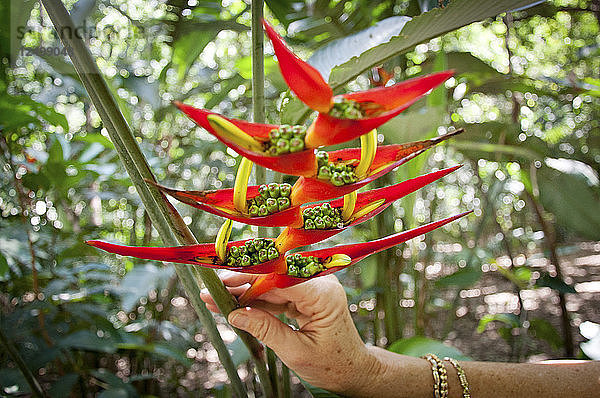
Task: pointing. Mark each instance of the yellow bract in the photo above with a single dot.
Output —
(368, 148)
(233, 133)
(222, 239)
(349, 203)
(241, 185)
(368, 208)
(338, 260)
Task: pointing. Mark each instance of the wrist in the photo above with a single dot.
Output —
(367, 373)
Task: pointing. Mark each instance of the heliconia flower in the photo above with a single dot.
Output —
(375, 106)
(352, 252)
(387, 158)
(204, 255)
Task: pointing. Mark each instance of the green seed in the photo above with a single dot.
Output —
(272, 253)
(283, 203)
(272, 205)
(319, 223)
(296, 145)
(249, 244)
(246, 261)
(309, 224)
(263, 191)
(263, 255)
(347, 177)
(283, 146)
(285, 189)
(299, 131)
(326, 209)
(322, 158)
(337, 179)
(285, 131)
(328, 222)
(292, 270)
(231, 261)
(308, 212)
(273, 151)
(273, 190)
(263, 211)
(253, 211)
(324, 173)
(234, 251)
(274, 135)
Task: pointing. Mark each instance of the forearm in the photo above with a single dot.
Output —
(403, 376)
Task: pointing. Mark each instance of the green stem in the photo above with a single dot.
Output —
(36, 388)
(258, 116)
(165, 218)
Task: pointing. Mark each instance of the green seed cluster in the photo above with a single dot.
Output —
(322, 217)
(285, 139)
(304, 267)
(344, 108)
(337, 174)
(270, 199)
(252, 252)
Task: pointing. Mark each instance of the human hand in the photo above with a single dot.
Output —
(326, 350)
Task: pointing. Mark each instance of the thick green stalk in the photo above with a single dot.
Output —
(258, 116)
(165, 218)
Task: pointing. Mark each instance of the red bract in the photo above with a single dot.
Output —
(220, 203)
(292, 237)
(302, 163)
(203, 255)
(356, 252)
(387, 158)
(310, 87)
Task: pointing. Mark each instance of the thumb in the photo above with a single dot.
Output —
(264, 326)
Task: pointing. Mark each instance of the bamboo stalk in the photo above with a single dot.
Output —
(165, 218)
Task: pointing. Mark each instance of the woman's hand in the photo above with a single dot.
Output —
(326, 351)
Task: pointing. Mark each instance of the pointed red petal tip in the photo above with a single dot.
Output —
(328, 130)
(292, 238)
(203, 255)
(356, 251)
(220, 203)
(387, 158)
(200, 116)
(303, 79)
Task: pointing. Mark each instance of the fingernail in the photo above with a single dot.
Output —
(238, 319)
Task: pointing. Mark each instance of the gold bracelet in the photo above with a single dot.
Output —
(462, 377)
(440, 376)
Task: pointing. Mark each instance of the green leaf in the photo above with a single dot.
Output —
(554, 283)
(462, 278)
(188, 47)
(4, 268)
(87, 340)
(340, 51)
(544, 330)
(163, 350)
(418, 346)
(575, 204)
(140, 280)
(509, 319)
(424, 27)
(63, 386)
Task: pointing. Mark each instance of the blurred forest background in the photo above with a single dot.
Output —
(518, 280)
